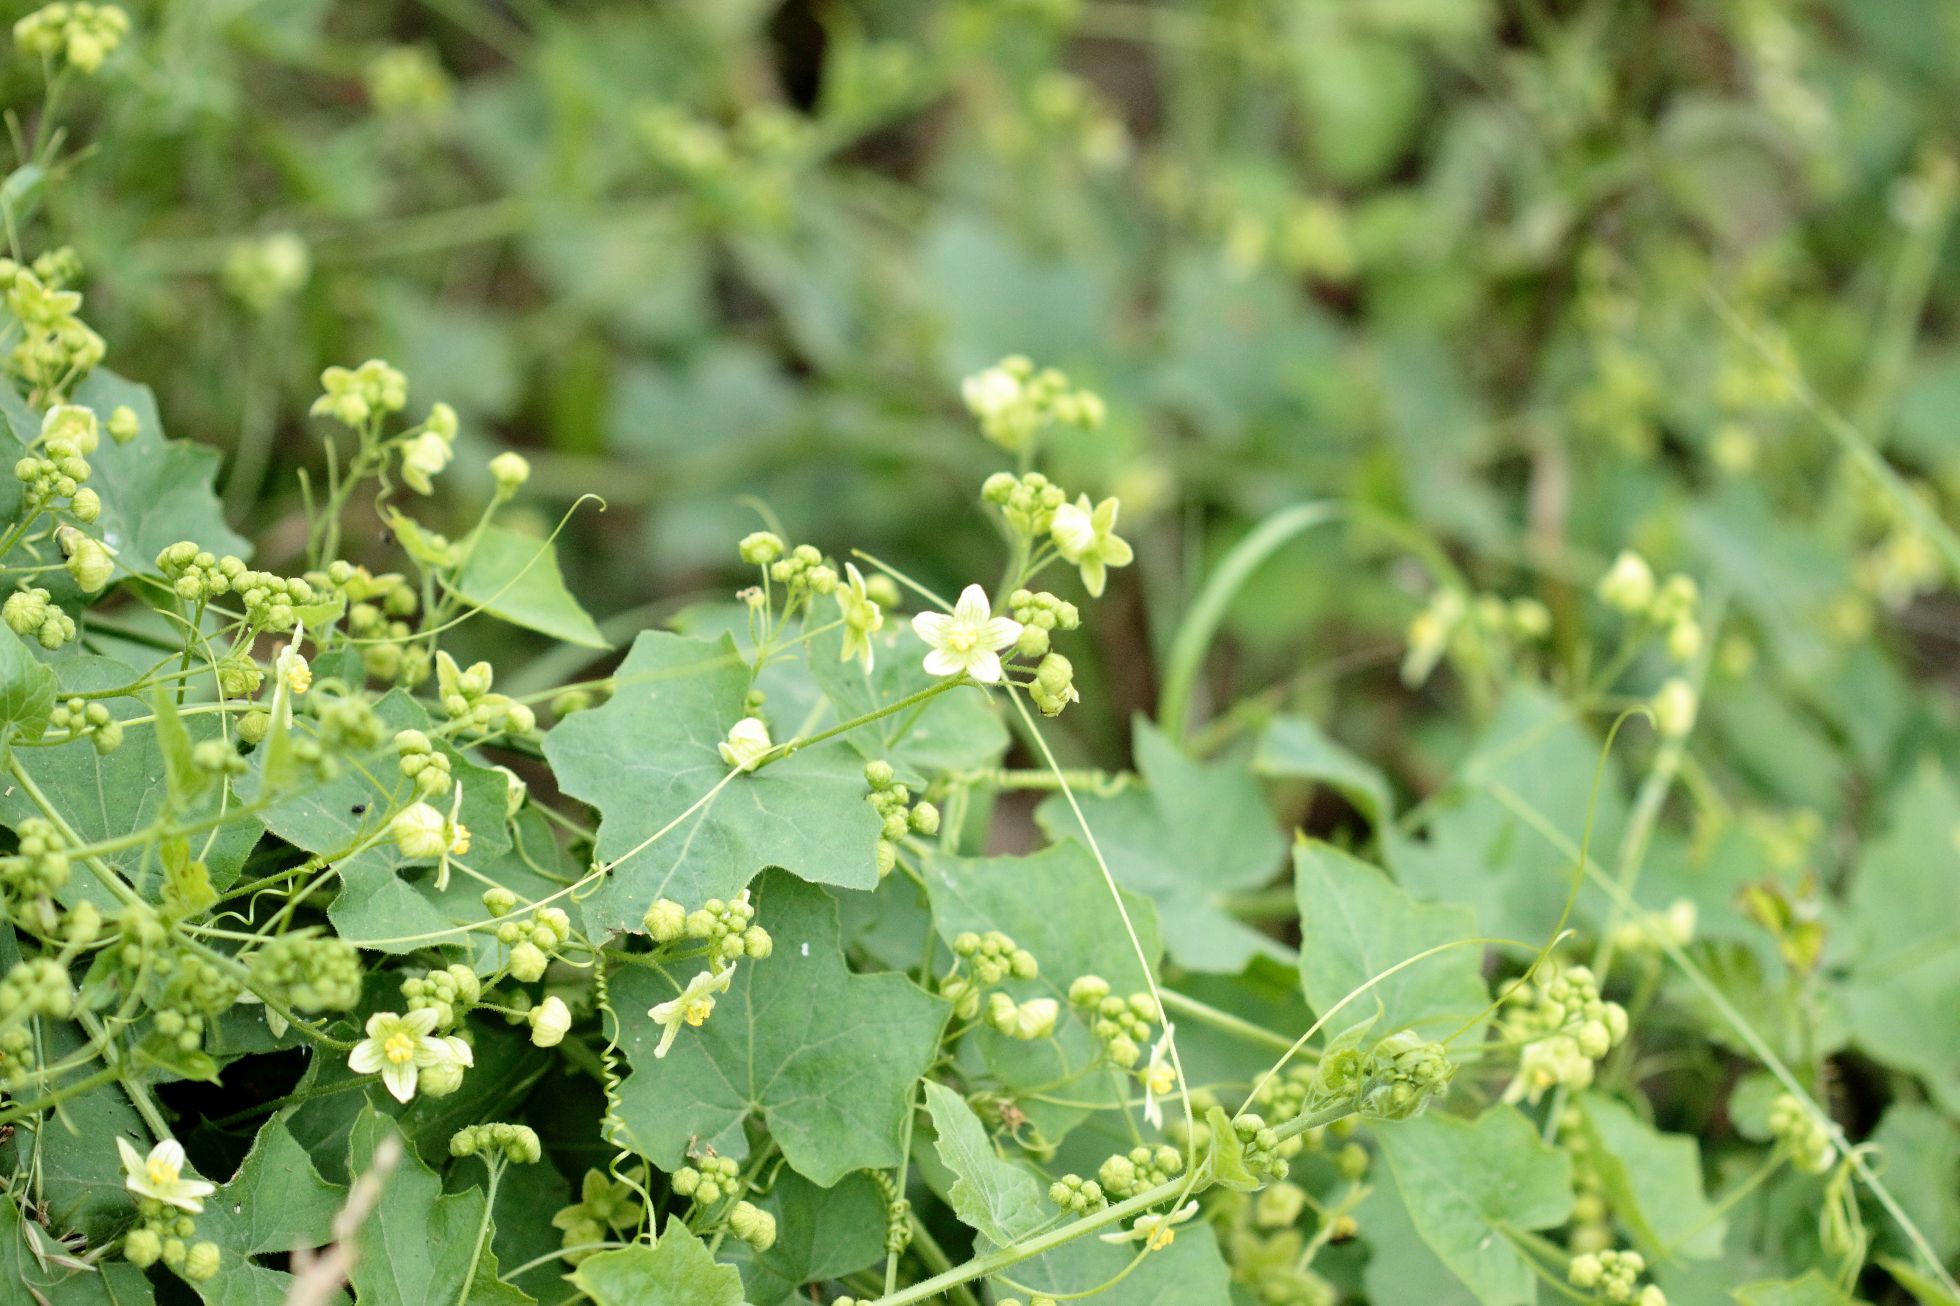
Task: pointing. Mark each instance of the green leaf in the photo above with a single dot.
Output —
(277, 1203)
(821, 1233)
(72, 1154)
(1190, 1272)
(1467, 1183)
(1195, 835)
(1920, 1152)
(516, 577)
(676, 1271)
(1811, 1290)
(1401, 1266)
(1356, 924)
(1924, 1288)
(1228, 1153)
(1653, 1181)
(1292, 747)
(419, 1244)
(826, 1058)
(27, 688)
(1056, 904)
(652, 753)
(1899, 995)
(993, 1195)
(62, 1282)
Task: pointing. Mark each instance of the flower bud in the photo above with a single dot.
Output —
(1675, 706)
(1629, 584)
(748, 739)
(499, 901)
(123, 426)
(202, 1262)
(510, 470)
(549, 1021)
(420, 831)
(528, 962)
(142, 1247)
(753, 1225)
(665, 921)
(89, 560)
(440, 1079)
(760, 548)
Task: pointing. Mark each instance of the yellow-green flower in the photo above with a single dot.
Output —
(862, 616)
(1087, 539)
(692, 1007)
(160, 1175)
(401, 1047)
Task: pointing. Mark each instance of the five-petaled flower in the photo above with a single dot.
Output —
(401, 1047)
(1156, 1232)
(861, 615)
(969, 641)
(1088, 540)
(692, 1006)
(160, 1175)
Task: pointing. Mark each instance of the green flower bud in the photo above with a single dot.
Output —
(202, 1262)
(753, 1225)
(142, 1247)
(665, 921)
(123, 426)
(499, 901)
(89, 561)
(760, 548)
(509, 470)
(528, 962)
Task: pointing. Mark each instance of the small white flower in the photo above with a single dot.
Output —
(1156, 1232)
(748, 739)
(991, 392)
(160, 1175)
(549, 1021)
(692, 1006)
(1159, 1080)
(1087, 539)
(423, 458)
(401, 1047)
(969, 641)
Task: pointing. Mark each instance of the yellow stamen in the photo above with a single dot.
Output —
(399, 1049)
(160, 1172)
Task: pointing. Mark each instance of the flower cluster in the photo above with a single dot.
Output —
(706, 1180)
(533, 942)
(1615, 1275)
(56, 349)
(1128, 1173)
(356, 396)
(168, 1198)
(898, 815)
(407, 1053)
(1014, 402)
(1797, 1128)
(1565, 1028)
(1480, 632)
(517, 1143)
(1395, 1078)
(80, 34)
(1121, 1025)
(466, 696)
(1671, 606)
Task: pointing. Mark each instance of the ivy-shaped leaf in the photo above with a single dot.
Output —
(277, 1203)
(1468, 1185)
(826, 1058)
(958, 730)
(676, 1271)
(515, 577)
(1194, 835)
(1653, 1181)
(821, 1233)
(1356, 924)
(653, 752)
(990, 1194)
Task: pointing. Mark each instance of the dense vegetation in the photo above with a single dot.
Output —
(1274, 651)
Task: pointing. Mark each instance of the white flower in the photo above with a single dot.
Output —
(160, 1175)
(691, 1006)
(969, 641)
(1159, 1080)
(423, 457)
(1155, 1231)
(401, 1047)
(549, 1021)
(1087, 539)
(748, 739)
(991, 392)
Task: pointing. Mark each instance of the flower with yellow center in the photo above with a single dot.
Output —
(160, 1175)
(1159, 1080)
(692, 1006)
(401, 1047)
(1156, 1232)
(969, 640)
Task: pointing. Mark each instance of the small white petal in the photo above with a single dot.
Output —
(932, 627)
(983, 666)
(940, 662)
(400, 1080)
(973, 608)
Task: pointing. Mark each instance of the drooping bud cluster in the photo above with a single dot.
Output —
(729, 929)
(1014, 402)
(1394, 1079)
(1565, 1027)
(1796, 1128)
(518, 1143)
(421, 761)
(802, 568)
(980, 961)
(449, 992)
(1121, 1025)
(79, 34)
(1076, 1195)
(1039, 614)
(898, 815)
(752, 1225)
(534, 941)
(309, 973)
(1128, 1173)
(32, 613)
(707, 1179)
(466, 696)
(77, 717)
(1053, 687)
(1615, 1276)
(355, 396)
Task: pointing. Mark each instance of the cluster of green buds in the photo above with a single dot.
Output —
(449, 992)
(1394, 1079)
(1128, 1173)
(1797, 1128)
(77, 717)
(1076, 1195)
(728, 929)
(517, 1143)
(194, 992)
(1591, 1228)
(198, 575)
(1480, 632)
(1121, 1025)
(706, 1180)
(752, 1225)
(309, 972)
(1672, 606)
(606, 1207)
(800, 569)
(466, 696)
(1263, 1150)
(1028, 503)
(54, 472)
(1615, 1276)
(533, 941)
(898, 815)
(56, 349)
(1565, 1027)
(271, 601)
(91, 564)
(356, 396)
(262, 272)
(1040, 613)
(38, 867)
(79, 34)
(1014, 402)
(422, 762)
(981, 961)
(31, 613)
(1027, 1020)
(378, 608)
(741, 175)
(1268, 1254)
(162, 1234)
